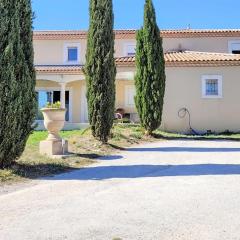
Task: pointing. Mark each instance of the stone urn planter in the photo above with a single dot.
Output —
(54, 119)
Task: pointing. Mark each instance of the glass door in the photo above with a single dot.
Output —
(45, 97)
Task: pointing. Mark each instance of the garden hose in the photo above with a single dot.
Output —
(182, 114)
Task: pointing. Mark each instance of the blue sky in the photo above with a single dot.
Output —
(171, 14)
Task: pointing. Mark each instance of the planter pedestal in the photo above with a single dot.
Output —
(54, 145)
(52, 148)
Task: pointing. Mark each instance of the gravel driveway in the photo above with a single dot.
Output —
(167, 190)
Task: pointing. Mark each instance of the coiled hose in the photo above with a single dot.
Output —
(182, 114)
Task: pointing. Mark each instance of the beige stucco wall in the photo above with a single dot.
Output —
(49, 52)
(184, 89)
(120, 46)
(207, 44)
(76, 88)
(46, 84)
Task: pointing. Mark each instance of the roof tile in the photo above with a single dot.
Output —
(172, 59)
(191, 58)
(121, 34)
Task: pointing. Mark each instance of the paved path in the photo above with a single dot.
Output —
(169, 190)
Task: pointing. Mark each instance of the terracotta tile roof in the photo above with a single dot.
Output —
(190, 58)
(173, 59)
(192, 33)
(122, 60)
(125, 34)
(77, 34)
(59, 35)
(59, 69)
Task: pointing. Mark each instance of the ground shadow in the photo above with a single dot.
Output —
(33, 171)
(183, 149)
(147, 171)
(99, 157)
(110, 157)
(116, 147)
(86, 155)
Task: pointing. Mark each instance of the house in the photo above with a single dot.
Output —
(202, 70)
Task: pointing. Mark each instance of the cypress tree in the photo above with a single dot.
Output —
(17, 79)
(100, 69)
(150, 72)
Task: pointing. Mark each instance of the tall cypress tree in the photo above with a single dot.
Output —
(17, 79)
(100, 69)
(150, 73)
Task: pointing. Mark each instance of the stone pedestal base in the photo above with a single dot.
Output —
(52, 148)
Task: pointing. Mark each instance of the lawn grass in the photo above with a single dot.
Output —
(86, 149)
(38, 136)
(221, 136)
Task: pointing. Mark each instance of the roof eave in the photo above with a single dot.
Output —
(188, 64)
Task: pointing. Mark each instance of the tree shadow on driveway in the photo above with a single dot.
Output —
(99, 157)
(149, 171)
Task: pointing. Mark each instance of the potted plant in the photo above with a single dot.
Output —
(54, 119)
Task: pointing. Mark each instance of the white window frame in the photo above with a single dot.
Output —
(71, 45)
(230, 44)
(212, 77)
(127, 88)
(126, 45)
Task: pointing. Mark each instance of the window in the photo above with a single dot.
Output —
(211, 86)
(130, 93)
(130, 49)
(72, 53)
(234, 47)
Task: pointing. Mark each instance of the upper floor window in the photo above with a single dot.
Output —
(130, 49)
(234, 47)
(211, 86)
(72, 53)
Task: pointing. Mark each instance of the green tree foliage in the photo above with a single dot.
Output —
(100, 69)
(17, 79)
(150, 73)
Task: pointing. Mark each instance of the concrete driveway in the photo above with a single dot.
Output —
(161, 191)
